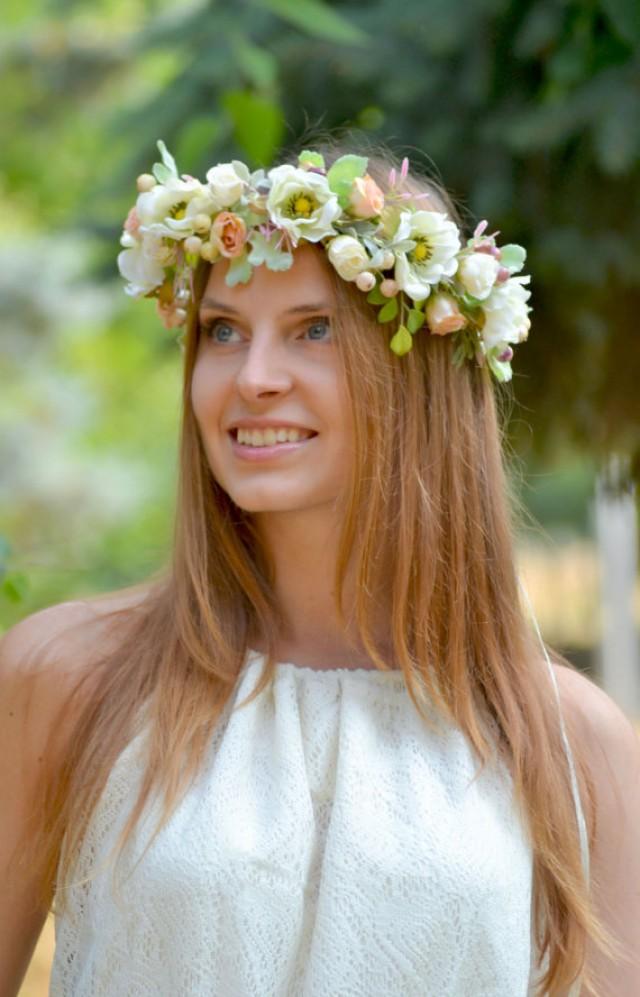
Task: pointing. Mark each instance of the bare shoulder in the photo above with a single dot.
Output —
(611, 747)
(55, 634)
(594, 713)
(45, 655)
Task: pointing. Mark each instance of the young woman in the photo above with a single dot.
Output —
(322, 752)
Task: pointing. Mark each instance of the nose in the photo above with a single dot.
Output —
(264, 370)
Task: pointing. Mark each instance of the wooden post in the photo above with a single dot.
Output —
(617, 538)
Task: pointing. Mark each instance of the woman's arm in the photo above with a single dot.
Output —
(33, 686)
(612, 749)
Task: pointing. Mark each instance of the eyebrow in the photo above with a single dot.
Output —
(210, 303)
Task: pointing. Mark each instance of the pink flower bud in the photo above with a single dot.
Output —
(503, 274)
(388, 260)
(366, 199)
(389, 288)
(506, 355)
(443, 315)
(145, 182)
(365, 281)
(488, 247)
(132, 224)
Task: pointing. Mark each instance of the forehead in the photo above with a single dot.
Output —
(307, 279)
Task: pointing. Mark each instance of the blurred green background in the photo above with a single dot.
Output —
(527, 110)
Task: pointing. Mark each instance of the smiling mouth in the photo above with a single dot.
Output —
(257, 439)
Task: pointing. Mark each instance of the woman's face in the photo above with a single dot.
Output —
(266, 358)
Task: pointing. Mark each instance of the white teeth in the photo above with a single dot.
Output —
(270, 436)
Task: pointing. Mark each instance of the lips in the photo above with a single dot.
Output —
(267, 452)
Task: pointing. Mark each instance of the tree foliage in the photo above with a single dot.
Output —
(527, 110)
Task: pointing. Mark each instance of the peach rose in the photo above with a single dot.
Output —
(229, 233)
(366, 199)
(443, 315)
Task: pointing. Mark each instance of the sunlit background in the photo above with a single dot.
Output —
(527, 111)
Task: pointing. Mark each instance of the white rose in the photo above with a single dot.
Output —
(301, 203)
(477, 273)
(507, 313)
(434, 256)
(347, 256)
(225, 186)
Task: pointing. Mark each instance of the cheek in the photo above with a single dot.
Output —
(205, 394)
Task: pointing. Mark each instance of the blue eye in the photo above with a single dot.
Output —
(210, 330)
(219, 331)
(322, 324)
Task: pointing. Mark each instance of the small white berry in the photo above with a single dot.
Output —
(209, 252)
(365, 281)
(193, 244)
(202, 223)
(389, 288)
(145, 182)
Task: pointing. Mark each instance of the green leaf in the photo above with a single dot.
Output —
(317, 19)
(239, 271)
(161, 173)
(401, 342)
(267, 253)
(258, 124)
(415, 320)
(258, 64)
(459, 355)
(376, 297)
(512, 257)
(389, 311)
(624, 16)
(342, 174)
(500, 369)
(313, 158)
(167, 158)
(15, 586)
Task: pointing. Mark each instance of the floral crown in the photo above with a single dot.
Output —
(409, 261)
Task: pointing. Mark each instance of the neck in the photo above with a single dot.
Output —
(303, 548)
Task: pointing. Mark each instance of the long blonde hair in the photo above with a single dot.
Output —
(429, 497)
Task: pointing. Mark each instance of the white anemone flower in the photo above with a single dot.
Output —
(434, 256)
(141, 265)
(167, 208)
(301, 203)
(507, 313)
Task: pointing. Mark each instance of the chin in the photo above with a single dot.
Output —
(272, 503)
(279, 498)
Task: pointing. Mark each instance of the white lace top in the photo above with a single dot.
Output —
(332, 847)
